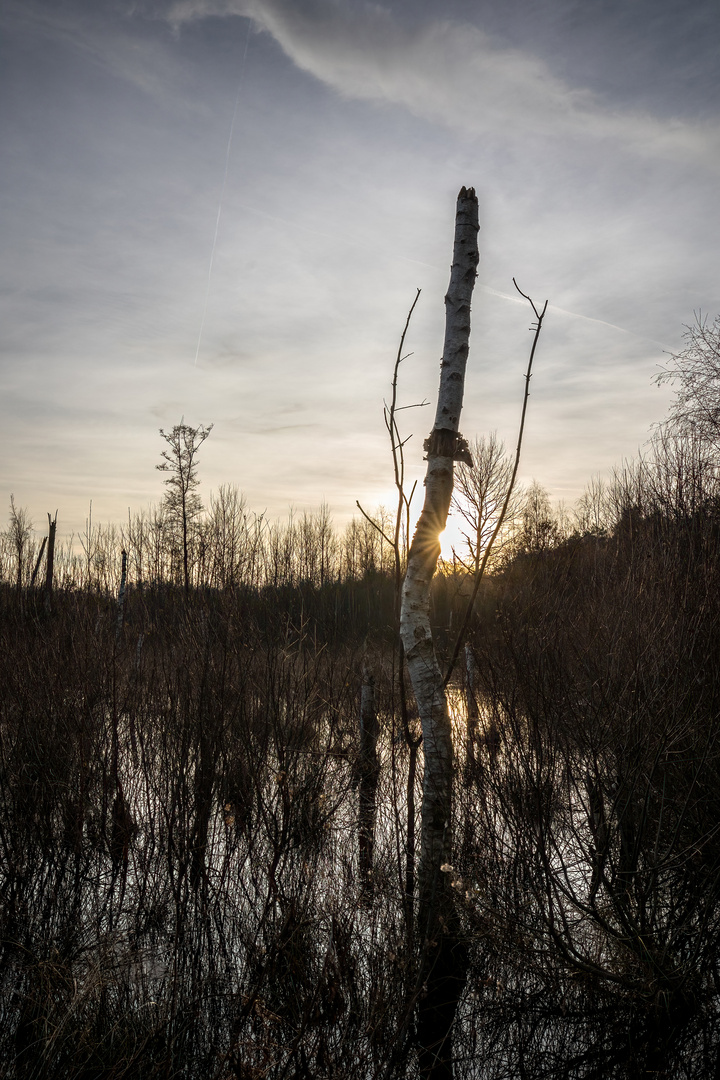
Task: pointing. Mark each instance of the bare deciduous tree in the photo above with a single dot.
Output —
(593, 510)
(539, 529)
(479, 494)
(20, 531)
(182, 501)
(695, 371)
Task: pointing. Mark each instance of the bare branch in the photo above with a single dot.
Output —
(460, 640)
(373, 523)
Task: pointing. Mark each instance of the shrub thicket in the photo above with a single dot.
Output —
(179, 885)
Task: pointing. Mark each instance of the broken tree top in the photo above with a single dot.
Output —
(457, 312)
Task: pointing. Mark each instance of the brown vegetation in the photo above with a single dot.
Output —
(181, 892)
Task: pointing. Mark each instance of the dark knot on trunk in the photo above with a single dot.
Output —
(443, 442)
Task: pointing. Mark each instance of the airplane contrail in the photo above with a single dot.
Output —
(574, 315)
(222, 193)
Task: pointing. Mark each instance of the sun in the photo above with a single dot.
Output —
(451, 537)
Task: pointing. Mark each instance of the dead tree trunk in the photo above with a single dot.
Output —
(121, 597)
(38, 562)
(443, 956)
(52, 526)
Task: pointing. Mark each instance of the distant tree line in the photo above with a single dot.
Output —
(228, 546)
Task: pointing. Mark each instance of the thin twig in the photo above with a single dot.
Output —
(417, 405)
(373, 523)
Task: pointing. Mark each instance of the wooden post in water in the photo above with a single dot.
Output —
(471, 673)
(369, 773)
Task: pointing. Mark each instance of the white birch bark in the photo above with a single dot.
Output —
(443, 447)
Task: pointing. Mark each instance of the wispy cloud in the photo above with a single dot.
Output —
(450, 73)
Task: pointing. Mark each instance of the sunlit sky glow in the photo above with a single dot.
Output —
(591, 133)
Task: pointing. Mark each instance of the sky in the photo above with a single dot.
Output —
(219, 212)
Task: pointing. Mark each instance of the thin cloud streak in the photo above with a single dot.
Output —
(553, 308)
(222, 194)
(604, 322)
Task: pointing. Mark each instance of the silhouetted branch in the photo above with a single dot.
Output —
(460, 639)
